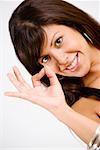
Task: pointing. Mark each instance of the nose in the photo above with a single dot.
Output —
(61, 58)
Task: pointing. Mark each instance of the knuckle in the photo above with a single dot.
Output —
(35, 77)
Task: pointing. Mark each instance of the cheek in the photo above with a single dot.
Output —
(72, 46)
(75, 43)
(53, 66)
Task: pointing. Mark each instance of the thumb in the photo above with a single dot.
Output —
(51, 75)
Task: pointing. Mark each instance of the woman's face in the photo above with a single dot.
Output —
(65, 51)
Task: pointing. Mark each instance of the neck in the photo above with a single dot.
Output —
(92, 79)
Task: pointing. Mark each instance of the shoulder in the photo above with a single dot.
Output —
(88, 107)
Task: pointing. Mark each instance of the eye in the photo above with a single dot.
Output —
(58, 42)
(45, 59)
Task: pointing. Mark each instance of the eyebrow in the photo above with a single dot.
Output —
(53, 38)
(50, 44)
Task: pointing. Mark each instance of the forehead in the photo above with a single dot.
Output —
(50, 30)
(54, 30)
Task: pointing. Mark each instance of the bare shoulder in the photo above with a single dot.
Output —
(88, 107)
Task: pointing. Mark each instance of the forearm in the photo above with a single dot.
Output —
(52, 99)
(81, 125)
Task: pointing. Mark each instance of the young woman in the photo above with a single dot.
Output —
(59, 45)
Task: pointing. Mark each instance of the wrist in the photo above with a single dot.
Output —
(63, 112)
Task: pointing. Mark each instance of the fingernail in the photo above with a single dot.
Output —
(14, 67)
(47, 67)
(8, 74)
(5, 94)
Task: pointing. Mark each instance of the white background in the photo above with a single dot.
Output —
(24, 125)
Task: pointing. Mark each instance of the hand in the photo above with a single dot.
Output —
(52, 97)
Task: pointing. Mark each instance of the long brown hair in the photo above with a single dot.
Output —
(28, 36)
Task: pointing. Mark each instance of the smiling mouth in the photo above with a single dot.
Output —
(74, 64)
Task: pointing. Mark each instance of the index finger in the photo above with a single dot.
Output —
(36, 78)
(51, 75)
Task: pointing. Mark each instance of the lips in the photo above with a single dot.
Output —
(74, 64)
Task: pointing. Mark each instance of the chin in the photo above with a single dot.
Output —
(82, 74)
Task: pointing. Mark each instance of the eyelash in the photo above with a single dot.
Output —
(47, 57)
(58, 46)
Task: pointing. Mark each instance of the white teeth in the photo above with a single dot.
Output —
(73, 64)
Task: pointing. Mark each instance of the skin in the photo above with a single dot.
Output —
(52, 98)
(61, 53)
(64, 49)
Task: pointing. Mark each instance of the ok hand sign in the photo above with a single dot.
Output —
(52, 97)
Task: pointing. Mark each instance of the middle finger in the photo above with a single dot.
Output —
(13, 80)
(19, 77)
